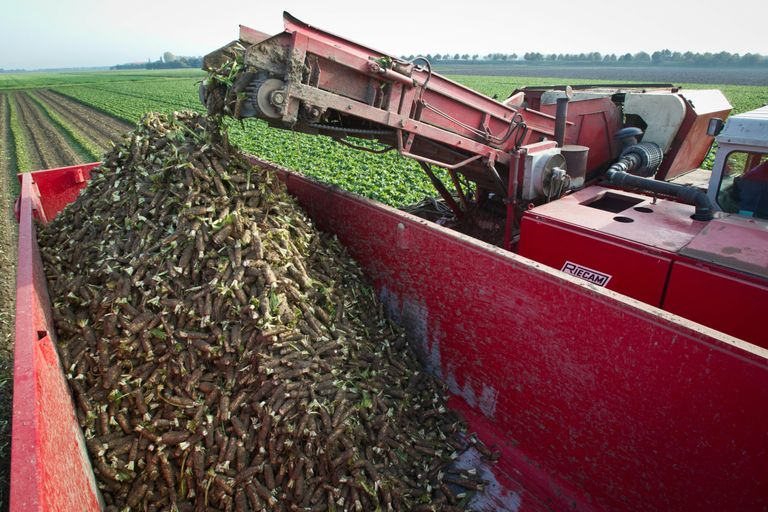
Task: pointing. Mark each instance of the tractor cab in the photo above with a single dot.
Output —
(739, 181)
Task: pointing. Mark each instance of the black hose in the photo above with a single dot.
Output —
(641, 159)
(686, 194)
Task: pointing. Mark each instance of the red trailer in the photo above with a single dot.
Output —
(595, 401)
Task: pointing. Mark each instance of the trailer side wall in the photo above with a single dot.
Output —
(594, 401)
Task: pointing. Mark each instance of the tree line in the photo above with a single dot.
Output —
(657, 58)
(167, 61)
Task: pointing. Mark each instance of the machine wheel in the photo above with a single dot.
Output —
(261, 96)
(555, 161)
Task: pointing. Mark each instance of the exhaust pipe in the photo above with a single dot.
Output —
(561, 117)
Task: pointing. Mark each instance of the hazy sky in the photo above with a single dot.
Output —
(56, 33)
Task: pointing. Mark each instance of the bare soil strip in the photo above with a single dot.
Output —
(97, 127)
(7, 294)
(110, 123)
(52, 146)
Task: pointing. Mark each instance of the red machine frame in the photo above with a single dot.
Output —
(423, 115)
(646, 256)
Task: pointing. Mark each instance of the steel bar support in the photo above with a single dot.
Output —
(511, 200)
(447, 197)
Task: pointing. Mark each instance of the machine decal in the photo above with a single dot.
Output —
(593, 276)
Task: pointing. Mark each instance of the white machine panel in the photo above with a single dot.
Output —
(662, 112)
(535, 164)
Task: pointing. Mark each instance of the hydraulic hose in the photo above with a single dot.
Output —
(686, 194)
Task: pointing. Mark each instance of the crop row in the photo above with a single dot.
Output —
(17, 134)
(7, 155)
(46, 130)
(85, 150)
(129, 101)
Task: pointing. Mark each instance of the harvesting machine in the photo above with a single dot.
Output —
(595, 401)
(601, 182)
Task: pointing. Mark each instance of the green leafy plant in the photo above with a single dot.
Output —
(19, 140)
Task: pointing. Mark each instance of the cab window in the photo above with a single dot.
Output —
(744, 185)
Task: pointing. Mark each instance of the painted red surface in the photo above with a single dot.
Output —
(598, 402)
(593, 124)
(736, 242)
(691, 144)
(631, 271)
(711, 272)
(49, 467)
(728, 302)
(595, 401)
(59, 187)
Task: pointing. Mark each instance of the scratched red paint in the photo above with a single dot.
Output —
(595, 401)
(603, 403)
(49, 469)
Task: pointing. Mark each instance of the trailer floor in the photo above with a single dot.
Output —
(7, 294)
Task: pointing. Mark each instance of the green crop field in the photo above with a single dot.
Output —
(15, 81)
(742, 97)
(130, 100)
(388, 178)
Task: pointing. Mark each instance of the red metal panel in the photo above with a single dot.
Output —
(633, 272)
(49, 467)
(59, 187)
(735, 242)
(454, 100)
(451, 110)
(727, 303)
(336, 78)
(655, 223)
(691, 144)
(735, 247)
(597, 131)
(596, 402)
(252, 36)
(595, 121)
(600, 402)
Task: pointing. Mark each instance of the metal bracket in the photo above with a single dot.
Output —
(444, 165)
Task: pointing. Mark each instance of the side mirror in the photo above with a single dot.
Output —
(715, 126)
